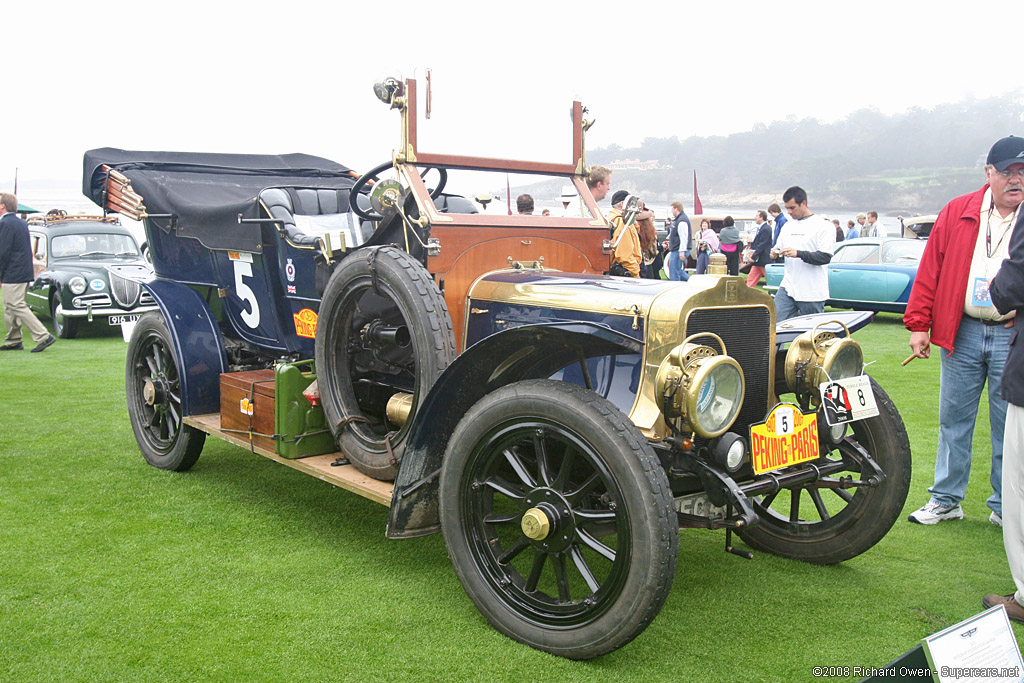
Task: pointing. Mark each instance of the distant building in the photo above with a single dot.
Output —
(635, 165)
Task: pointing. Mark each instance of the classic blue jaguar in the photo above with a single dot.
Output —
(867, 273)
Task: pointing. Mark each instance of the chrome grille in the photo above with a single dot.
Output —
(126, 292)
(94, 300)
(747, 336)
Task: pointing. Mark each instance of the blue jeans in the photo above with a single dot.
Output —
(980, 353)
(788, 307)
(676, 272)
(703, 258)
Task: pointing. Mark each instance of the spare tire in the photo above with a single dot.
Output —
(383, 329)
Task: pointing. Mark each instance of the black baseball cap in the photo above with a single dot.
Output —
(622, 194)
(1006, 152)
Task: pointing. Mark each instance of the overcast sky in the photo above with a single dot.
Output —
(297, 76)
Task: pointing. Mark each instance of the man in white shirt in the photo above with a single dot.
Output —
(874, 228)
(808, 242)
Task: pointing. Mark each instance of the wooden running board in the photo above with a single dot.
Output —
(320, 466)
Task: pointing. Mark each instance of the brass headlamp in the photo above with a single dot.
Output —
(815, 357)
(702, 387)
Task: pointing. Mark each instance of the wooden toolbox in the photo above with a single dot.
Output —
(247, 405)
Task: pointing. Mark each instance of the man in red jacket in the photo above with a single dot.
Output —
(950, 307)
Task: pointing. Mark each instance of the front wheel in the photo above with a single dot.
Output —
(558, 518)
(153, 389)
(63, 327)
(828, 525)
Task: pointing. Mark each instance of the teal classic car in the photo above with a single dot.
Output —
(867, 273)
(86, 267)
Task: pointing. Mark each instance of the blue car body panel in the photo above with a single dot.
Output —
(879, 282)
(526, 352)
(197, 343)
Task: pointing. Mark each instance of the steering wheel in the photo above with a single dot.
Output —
(376, 171)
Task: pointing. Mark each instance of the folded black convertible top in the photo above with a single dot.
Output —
(205, 192)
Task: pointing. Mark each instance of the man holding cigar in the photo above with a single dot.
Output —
(950, 306)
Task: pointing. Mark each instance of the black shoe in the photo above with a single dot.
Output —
(12, 347)
(43, 344)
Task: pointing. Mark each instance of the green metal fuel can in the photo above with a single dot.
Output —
(300, 425)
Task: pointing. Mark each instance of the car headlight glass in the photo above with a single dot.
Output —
(843, 359)
(716, 396)
(77, 284)
(704, 388)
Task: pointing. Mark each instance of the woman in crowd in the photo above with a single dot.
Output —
(652, 260)
(730, 245)
(707, 244)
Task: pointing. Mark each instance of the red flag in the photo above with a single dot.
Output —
(697, 208)
(508, 195)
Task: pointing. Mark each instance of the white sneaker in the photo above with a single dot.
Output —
(933, 513)
(995, 518)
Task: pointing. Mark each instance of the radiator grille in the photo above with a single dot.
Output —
(747, 336)
(126, 292)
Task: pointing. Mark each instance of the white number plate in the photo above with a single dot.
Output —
(122, 319)
(848, 400)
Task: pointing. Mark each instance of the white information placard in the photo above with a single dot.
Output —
(981, 649)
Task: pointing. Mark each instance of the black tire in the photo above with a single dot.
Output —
(605, 569)
(63, 327)
(833, 525)
(165, 441)
(383, 287)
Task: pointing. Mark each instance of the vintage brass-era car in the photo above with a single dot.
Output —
(556, 424)
(86, 267)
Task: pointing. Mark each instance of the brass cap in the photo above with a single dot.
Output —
(398, 408)
(536, 524)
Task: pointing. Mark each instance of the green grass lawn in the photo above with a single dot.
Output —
(244, 570)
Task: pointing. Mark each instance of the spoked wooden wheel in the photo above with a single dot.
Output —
(827, 525)
(153, 390)
(558, 518)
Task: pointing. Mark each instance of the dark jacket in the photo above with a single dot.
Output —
(675, 240)
(761, 246)
(779, 222)
(15, 250)
(1007, 290)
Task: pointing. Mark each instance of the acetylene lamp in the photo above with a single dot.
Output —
(819, 356)
(701, 386)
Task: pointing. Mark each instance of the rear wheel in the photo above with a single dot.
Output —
(153, 389)
(63, 327)
(384, 330)
(828, 525)
(558, 518)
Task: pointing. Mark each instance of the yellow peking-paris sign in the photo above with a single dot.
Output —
(787, 437)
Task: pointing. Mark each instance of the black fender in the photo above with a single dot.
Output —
(197, 343)
(527, 352)
(791, 328)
